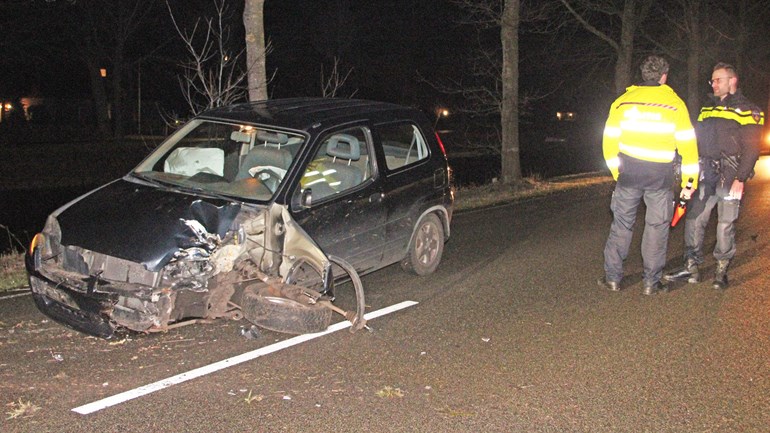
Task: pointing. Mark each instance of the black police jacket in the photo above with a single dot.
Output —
(729, 134)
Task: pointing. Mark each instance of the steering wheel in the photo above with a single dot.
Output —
(270, 175)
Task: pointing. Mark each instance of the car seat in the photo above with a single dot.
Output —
(344, 149)
(267, 153)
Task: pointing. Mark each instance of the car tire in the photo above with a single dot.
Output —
(282, 314)
(426, 247)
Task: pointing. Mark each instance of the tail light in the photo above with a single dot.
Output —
(440, 144)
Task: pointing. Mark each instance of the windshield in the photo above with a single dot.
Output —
(220, 158)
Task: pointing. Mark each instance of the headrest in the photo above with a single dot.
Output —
(272, 137)
(343, 146)
(240, 137)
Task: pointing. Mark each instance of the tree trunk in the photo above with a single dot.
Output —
(253, 21)
(623, 77)
(740, 38)
(509, 111)
(99, 94)
(118, 96)
(693, 58)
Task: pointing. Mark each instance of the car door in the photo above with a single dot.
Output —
(339, 199)
(408, 182)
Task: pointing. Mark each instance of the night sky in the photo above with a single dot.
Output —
(387, 44)
(391, 46)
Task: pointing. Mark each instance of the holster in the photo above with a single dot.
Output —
(727, 167)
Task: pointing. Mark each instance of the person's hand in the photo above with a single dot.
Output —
(736, 190)
(686, 193)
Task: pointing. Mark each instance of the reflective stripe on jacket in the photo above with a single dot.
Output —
(651, 123)
(731, 127)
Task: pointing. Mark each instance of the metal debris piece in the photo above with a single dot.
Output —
(251, 333)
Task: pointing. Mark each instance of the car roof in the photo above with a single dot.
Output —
(309, 113)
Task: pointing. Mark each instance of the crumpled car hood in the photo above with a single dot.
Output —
(140, 223)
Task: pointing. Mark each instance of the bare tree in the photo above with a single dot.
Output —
(332, 83)
(678, 35)
(102, 32)
(256, 48)
(212, 76)
(747, 46)
(692, 25)
(494, 89)
(108, 37)
(593, 16)
(703, 32)
(495, 78)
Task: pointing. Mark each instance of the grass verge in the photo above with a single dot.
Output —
(475, 197)
(12, 273)
(14, 276)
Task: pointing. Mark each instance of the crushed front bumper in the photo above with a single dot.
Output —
(84, 320)
(87, 304)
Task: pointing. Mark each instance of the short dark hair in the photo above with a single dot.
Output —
(653, 68)
(727, 67)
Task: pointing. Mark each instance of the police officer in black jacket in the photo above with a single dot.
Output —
(729, 133)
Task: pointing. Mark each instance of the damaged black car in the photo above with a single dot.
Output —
(251, 210)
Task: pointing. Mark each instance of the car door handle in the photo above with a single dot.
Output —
(376, 197)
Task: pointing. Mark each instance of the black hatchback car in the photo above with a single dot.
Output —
(272, 188)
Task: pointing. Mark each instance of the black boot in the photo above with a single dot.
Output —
(689, 272)
(609, 285)
(653, 288)
(720, 277)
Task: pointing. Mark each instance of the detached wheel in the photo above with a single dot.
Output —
(282, 314)
(426, 247)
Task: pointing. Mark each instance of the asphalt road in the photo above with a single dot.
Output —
(511, 334)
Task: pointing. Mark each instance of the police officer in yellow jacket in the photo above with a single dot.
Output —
(729, 131)
(646, 127)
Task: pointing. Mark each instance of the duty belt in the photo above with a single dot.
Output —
(728, 164)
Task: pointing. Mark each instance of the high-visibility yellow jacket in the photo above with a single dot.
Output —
(651, 123)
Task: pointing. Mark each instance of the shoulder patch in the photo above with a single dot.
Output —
(756, 115)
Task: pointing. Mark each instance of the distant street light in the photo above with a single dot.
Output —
(5, 107)
(440, 112)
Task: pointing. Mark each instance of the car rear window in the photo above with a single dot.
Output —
(403, 144)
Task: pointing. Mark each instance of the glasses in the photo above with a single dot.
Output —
(717, 80)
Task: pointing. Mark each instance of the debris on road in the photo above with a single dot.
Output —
(57, 356)
(21, 409)
(249, 398)
(250, 333)
(390, 392)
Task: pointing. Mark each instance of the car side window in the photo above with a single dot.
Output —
(403, 144)
(341, 163)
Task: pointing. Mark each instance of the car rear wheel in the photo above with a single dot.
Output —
(426, 247)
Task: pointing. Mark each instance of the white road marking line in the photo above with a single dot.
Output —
(225, 363)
